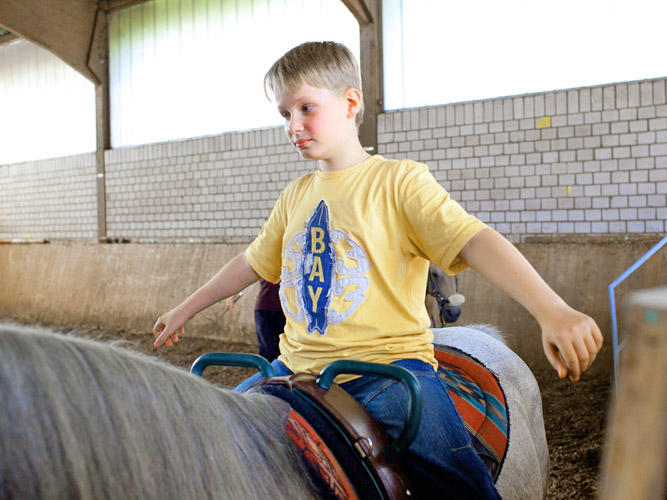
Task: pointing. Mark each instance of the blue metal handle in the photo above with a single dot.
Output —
(415, 398)
(232, 359)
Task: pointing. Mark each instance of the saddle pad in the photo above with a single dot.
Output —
(323, 467)
(479, 400)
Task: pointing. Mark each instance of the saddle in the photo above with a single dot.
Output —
(348, 453)
(340, 442)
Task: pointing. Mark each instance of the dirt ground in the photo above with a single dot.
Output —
(575, 414)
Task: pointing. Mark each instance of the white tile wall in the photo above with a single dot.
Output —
(584, 161)
(49, 199)
(218, 188)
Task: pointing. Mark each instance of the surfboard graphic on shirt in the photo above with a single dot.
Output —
(318, 270)
(321, 263)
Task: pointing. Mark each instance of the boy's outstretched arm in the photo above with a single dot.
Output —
(570, 339)
(231, 279)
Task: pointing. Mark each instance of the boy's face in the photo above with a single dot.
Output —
(317, 122)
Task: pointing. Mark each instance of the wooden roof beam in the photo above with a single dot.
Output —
(64, 28)
(360, 10)
(368, 14)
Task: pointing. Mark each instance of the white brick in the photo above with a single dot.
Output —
(646, 112)
(617, 227)
(646, 93)
(628, 114)
(609, 97)
(635, 226)
(657, 124)
(593, 117)
(582, 227)
(599, 227)
(657, 200)
(622, 96)
(655, 226)
(584, 100)
(550, 104)
(659, 95)
(658, 150)
(633, 95)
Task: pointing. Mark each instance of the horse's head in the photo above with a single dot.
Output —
(443, 290)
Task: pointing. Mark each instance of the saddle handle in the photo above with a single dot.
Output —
(232, 359)
(415, 398)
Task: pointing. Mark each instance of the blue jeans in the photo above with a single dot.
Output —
(441, 461)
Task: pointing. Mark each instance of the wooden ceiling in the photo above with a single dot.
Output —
(70, 29)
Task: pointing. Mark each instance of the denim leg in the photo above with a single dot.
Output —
(278, 366)
(441, 461)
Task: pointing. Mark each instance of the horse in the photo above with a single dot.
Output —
(80, 419)
(443, 300)
(84, 419)
(525, 469)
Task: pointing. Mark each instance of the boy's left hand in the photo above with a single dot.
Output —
(571, 341)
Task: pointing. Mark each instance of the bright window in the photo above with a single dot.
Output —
(188, 68)
(48, 109)
(442, 51)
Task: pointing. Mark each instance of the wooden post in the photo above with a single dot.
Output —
(368, 14)
(635, 457)
(98, 62)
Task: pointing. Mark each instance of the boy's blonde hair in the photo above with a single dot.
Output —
(327, 65)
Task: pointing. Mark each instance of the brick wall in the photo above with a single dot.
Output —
(585, 161)
(218, 188)
(49, 199)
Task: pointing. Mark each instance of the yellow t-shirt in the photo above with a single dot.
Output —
(351, 250)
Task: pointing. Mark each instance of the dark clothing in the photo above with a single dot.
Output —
(268, 326)
(268, 298)
(269, 319)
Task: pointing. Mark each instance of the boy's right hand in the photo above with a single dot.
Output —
(166, 326)
(571, 341)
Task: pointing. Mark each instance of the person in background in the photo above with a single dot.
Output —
(269, 318)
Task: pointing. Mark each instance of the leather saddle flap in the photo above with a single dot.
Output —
(364, 433)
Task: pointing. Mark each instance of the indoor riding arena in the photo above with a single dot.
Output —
(139, 154)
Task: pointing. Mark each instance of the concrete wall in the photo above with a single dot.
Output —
(117, 287)
(589, 161)
(126, 287)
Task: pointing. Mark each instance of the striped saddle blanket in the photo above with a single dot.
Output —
(480, 401)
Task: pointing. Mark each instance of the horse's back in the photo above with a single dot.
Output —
(525, 470)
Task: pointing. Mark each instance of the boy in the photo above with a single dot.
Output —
(351, 244)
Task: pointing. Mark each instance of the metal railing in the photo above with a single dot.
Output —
(617, 347)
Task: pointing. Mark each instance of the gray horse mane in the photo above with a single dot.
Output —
(490, 330)
(80, 419)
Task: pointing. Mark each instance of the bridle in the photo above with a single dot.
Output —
(435, 293)
(443, 303)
